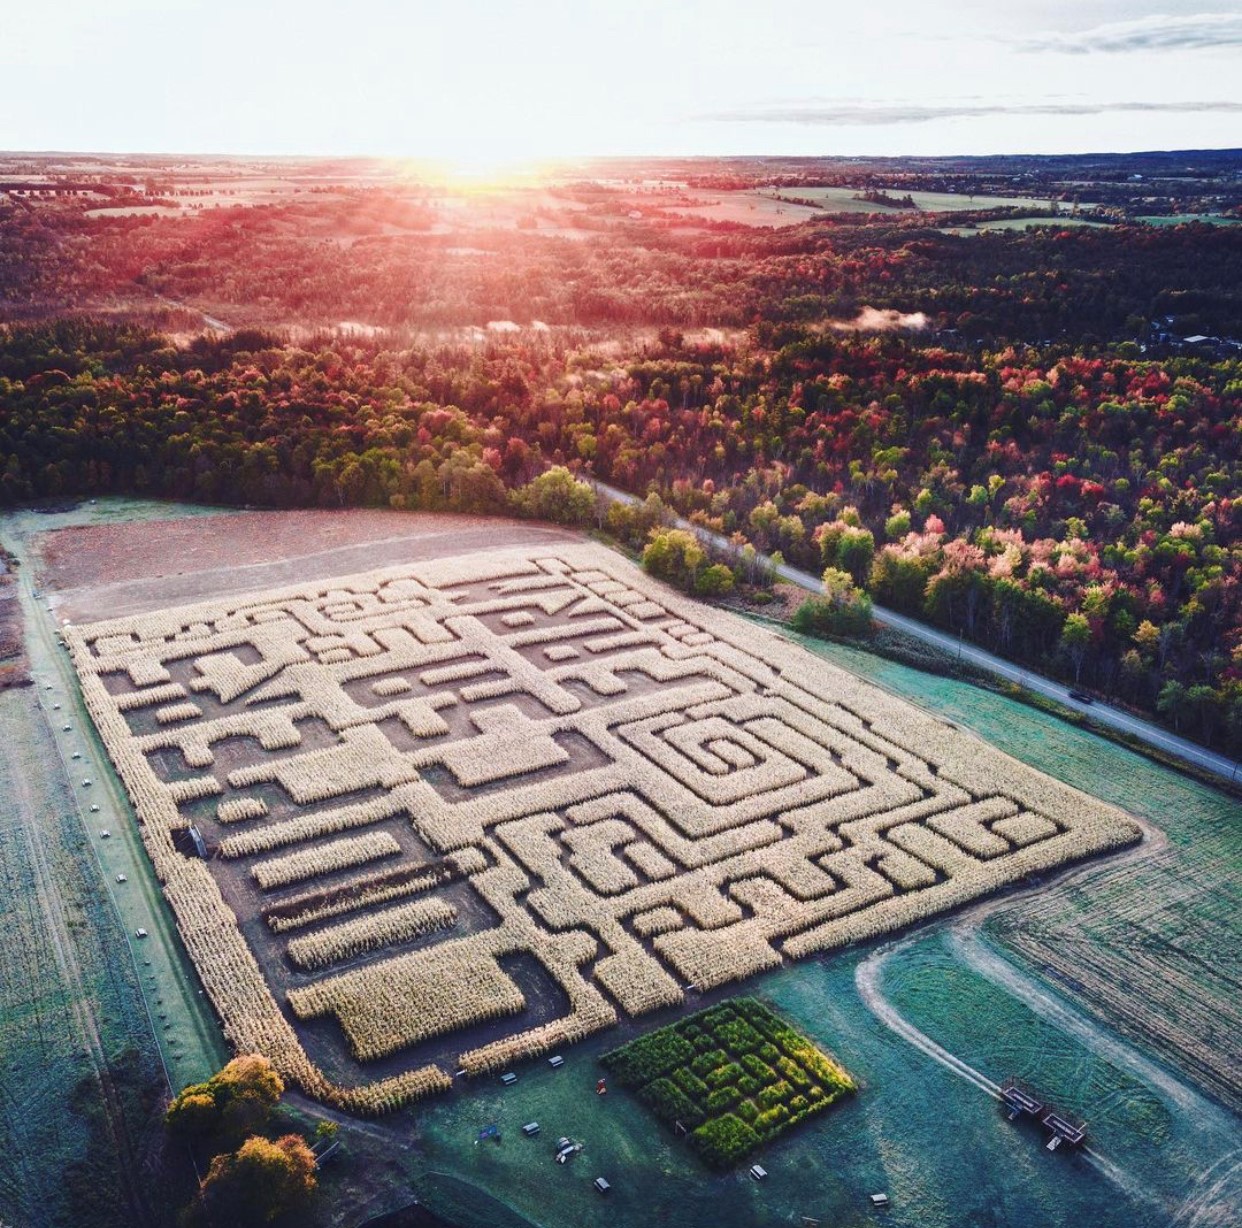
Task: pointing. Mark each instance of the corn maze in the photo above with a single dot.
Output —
(461, 812)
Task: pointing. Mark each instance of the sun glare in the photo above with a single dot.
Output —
(478, 171)
(479, 167)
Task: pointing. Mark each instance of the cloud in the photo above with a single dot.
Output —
(1163, 32)
(880, 114)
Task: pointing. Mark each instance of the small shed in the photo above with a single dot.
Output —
(879, 1200)
(601, 1185)
(556, 1062)
(758, 1172)
(508, 1078)
(530, 1129)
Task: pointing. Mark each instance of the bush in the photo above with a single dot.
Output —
(755, 1013)
(724, 1139)
(828, 1073)
(774, 1094)
(675, 556)
(705, 1063)
(757, 1068)
(714, 581)
(724, 1075)
(738, 1036)
(690, 1083)
(819, 616)
(790, 1043)
(716, 1017)
(731, 1103)
(648, 1057)
(793, 1072)
(670, 1103)
(770, 1121)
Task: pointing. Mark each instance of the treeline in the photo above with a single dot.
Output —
(1075, 512)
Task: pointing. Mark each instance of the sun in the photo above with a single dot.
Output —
(483, 166)
(480, 165)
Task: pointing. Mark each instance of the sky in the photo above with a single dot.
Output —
(485, 83)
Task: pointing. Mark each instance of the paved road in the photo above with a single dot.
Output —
(1100, 713)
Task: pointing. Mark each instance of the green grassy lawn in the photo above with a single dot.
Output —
(72, 1018)
(1212, 219)
(1021, 223)
(843, 200)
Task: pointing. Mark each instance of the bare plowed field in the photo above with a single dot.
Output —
(102, 570)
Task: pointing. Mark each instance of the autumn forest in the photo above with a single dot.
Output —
(1004, 433)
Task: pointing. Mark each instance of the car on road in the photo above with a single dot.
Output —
(1082, 697)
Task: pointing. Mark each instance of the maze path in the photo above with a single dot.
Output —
(636, 793)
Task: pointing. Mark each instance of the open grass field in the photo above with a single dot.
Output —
(1021, 223)
(759, 207)
(917, 1130)
(844, 200)
(1156, 943)
(565, 795)
(103, 565)
(1180, 219)
(90, 1020)
(80, 1069)
(740, 208)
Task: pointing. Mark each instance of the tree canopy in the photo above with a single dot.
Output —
(236, 1101)
(254, 1185)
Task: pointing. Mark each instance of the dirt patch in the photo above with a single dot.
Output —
(100, 571)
